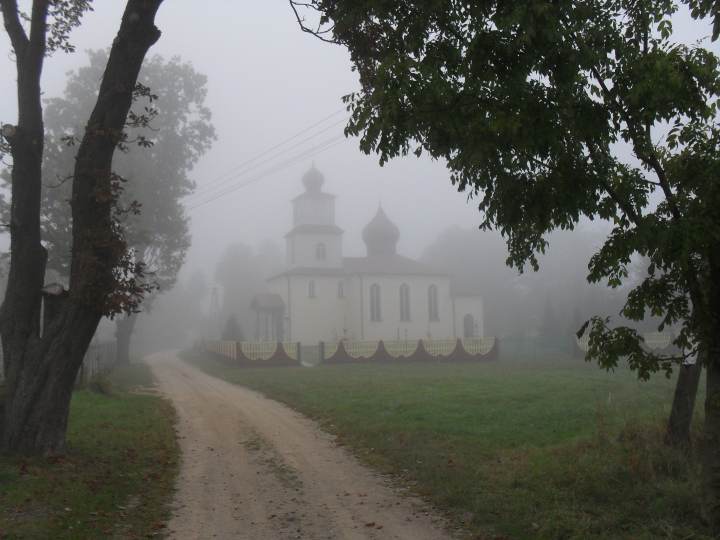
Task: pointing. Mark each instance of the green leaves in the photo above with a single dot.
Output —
(550, 113)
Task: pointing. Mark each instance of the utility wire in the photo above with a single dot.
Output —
(209, 189)
(244, 164)
(321, 147)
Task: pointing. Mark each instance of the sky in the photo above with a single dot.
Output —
(267, 81)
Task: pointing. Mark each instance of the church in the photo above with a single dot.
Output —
(324, 296)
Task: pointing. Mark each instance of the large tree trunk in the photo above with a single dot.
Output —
(42, 359)
(711, 446)
(124, 328)
(683, 406)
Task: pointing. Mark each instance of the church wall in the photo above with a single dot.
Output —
(318, 318)
(419, 326)
(309, 210)
(301, 250)
(473, 306)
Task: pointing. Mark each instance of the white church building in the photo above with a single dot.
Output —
(324, 296)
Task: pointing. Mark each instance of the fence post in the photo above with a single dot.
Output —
(299, 352)
(321, 350)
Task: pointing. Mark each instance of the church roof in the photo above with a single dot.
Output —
(388, 264)
(315, 229)
(267, 302)
(380, 235)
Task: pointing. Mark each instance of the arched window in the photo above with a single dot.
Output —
(341, 289)
(433, 303)
(375, 314)
(404, 302)
(320, 252)
(468, 326)
(311, 288)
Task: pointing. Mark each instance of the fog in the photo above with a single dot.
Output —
(275, 96)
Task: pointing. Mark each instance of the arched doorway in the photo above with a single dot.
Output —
(468, 326)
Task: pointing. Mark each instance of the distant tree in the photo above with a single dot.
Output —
(46, 330)
(527, 102)
(154, 173)
(232, 331)
(549, 322)
(242, 271)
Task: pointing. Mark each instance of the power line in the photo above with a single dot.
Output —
(321, 147)
(208, 190)
(244, 164)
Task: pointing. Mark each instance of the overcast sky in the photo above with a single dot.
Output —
(267, 81)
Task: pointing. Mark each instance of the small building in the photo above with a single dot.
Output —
(324, 296)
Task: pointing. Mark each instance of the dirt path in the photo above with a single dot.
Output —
(254, 469)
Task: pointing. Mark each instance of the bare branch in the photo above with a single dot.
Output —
(317, 32)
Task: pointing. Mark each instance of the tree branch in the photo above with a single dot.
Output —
(318, 33)
(13, 27)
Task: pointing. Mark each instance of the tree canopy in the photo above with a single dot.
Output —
(531, 105)
(550, 113)
(154, 166)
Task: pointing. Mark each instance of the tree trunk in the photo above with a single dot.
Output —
(42, 358)
(711, 450)
(683, 406)
(124, 328)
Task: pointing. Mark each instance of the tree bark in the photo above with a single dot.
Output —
(683, 406)
(124, 328)
(42, 359)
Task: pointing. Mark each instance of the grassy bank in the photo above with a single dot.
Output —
(507, 449)
(116, 478)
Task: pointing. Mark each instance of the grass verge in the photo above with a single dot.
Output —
(507, 450)
(116, 478)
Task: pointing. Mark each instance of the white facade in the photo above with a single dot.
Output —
(328, 297)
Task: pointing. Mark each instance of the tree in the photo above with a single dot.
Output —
(553, 112)
(46, 330)
(242, 272)
(154, 173)
(232, 331)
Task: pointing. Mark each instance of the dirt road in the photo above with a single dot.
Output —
(254, 469)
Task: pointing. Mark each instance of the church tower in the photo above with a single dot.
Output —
(314, 241)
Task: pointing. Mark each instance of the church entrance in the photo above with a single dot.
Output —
(310, 355)
(468, 326)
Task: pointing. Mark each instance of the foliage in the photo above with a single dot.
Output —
(553, 112)
(232, 331)
(167, 131)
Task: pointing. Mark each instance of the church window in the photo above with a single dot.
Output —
(320, 252)
(404, 302)
(341, 289)
(375, 314)
(311, 288)
(433, 303)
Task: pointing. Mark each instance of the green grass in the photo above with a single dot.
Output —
(116, 478)
(507, 449)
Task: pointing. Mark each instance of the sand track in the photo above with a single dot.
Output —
(254, 469)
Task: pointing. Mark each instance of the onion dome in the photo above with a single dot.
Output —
(313, 180)
(381, 235)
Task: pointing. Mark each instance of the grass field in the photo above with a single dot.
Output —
(116, 478)
(506, 449)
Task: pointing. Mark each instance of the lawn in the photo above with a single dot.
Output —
(117, 477)
(506, 449)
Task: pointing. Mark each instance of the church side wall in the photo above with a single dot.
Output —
(320, 317)
(472, 306)
(390, 327)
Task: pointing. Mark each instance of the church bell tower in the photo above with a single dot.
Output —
(314, 241)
